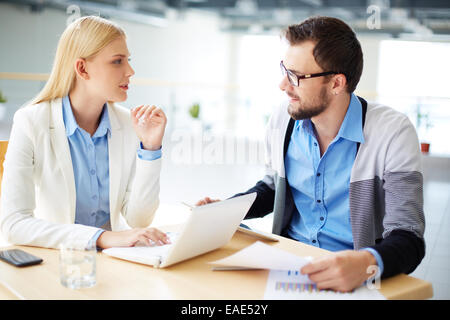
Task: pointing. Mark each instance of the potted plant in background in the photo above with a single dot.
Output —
(194, 112)
(2, 106)
(423, 124)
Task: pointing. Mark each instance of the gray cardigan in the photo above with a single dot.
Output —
(386, 196)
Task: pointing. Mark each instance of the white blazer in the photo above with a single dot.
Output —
(38, 188)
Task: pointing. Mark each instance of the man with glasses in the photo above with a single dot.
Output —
(342, 174)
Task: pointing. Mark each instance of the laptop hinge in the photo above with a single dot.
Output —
(158, 262)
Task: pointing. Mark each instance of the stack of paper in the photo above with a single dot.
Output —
(262, 256)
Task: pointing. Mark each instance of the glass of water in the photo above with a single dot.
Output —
(77, 265)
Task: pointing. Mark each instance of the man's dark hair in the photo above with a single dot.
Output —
(336, 46)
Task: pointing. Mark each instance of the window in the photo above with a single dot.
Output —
(413, 78)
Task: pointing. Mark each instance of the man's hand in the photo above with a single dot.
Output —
(343, 271)
(206, 200)
(129, 238)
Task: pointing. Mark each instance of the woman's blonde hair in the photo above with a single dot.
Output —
(83, 38)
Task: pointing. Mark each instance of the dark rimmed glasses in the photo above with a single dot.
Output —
(295, 79)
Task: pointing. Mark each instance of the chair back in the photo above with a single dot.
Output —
(3, 148)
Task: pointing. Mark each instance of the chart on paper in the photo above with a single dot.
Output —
(292, 285)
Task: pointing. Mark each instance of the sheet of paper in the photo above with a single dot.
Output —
(258, 234)
(262, 256)
(291, 285)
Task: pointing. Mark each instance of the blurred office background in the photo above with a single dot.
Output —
(213, 66)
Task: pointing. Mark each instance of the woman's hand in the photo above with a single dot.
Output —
(129, 238)
(149, 122)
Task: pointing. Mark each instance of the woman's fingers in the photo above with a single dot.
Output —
(144, 113)
(142, 238)
(157, 236)
(141, 114)
(159, 113)
(129, 238)
(135, 110)
(155, 115)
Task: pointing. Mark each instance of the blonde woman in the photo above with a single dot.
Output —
(79, 166)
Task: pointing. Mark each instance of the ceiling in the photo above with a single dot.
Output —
(395, 17)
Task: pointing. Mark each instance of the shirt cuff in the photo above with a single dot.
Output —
(379, 261)
(93, 242)
(148, 155)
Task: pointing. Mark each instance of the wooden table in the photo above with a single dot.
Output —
(191, 279)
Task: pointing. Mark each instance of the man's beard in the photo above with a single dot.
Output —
(315, 108)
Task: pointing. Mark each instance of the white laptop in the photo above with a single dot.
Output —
(208, 227)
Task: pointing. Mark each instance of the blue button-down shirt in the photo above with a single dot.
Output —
(90, 161)
(320, 185)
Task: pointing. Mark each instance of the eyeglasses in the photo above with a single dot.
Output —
(295, 79)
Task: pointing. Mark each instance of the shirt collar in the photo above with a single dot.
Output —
(306, 125)
(71, 124)
(351, 128)
(104, 126)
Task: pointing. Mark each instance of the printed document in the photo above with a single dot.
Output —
(285, 282)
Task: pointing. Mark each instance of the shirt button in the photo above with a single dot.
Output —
(92, 171)
(318, 174)
(94, 197)
(315, 143)
(322, 218)
(314, 241)
(318, 201)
